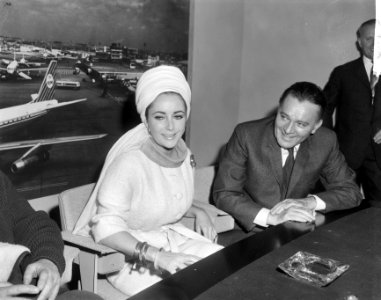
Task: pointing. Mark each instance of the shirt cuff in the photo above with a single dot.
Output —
(261, 218)
(320, 204)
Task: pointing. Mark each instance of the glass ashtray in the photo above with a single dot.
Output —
(312, 268)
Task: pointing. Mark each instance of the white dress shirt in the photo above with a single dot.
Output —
(368, 64)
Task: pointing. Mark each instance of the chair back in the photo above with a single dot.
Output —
(203, 183)
(71, 203)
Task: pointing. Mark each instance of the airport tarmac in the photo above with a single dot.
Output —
(70, 164)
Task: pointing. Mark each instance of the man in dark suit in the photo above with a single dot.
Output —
(358, 114)
(253, 181)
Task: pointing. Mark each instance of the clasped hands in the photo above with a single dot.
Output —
(299, 210)
(48, 282)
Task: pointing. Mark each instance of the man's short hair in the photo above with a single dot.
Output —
(306, 91)
(366, 23)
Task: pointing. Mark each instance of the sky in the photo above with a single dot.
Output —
(160, 25)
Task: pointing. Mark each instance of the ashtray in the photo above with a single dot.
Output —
(312, 268)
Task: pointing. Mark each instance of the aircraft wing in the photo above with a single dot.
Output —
(32, 69)
(35, 153)
(50, 141)
(23, 75)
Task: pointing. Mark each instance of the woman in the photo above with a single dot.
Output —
(146, 187)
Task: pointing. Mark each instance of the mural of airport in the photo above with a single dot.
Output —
(64, 100)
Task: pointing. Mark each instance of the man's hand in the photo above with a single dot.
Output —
(204, 225)
(299, 210)
(377, 137)
(48, 278)
(308, 203)
(14, 291)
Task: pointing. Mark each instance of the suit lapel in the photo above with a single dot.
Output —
(360, 72)
(273, 154)
(301, 162)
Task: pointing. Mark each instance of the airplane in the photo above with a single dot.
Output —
(37, 152)
(41, 102)
(14, 68)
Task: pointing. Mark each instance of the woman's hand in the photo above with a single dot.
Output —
(204, 225)
(172, 262)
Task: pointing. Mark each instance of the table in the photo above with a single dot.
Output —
(248, 268)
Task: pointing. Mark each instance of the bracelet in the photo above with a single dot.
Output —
(156, 267)
(138, 249)
(142, 253)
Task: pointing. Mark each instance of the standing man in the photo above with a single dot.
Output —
(353, 91)
(270, 167)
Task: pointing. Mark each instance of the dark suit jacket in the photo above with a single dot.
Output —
(249, 175)
(357, 120)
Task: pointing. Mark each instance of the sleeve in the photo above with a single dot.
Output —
(114, 198)
(262, 216)
(228, 191)
(332, 92)
(32, 229)
(320, 204)
(341, 190)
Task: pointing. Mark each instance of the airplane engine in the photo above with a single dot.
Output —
(23, 162)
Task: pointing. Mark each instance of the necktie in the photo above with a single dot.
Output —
(287, 170)
(373, 81)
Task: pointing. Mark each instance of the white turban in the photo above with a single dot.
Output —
(158, 80)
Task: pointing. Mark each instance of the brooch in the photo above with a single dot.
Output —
(192, 161)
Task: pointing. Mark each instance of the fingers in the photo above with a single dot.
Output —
(48, 279)
(377, 139)
(48, 283)
(49, 291)
(18, 289)
(44, 285)
(172, 262)
(299, 214)
(29, 274)
(207, 231)
(179, 266)
(285, 204)
(293, 213)
(183, 261)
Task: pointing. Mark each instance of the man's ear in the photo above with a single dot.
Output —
(317, 126)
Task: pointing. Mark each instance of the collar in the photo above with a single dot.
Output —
(285, 151)
(172, 158)
(368, 64)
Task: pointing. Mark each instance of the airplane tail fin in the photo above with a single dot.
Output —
(48, 85)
